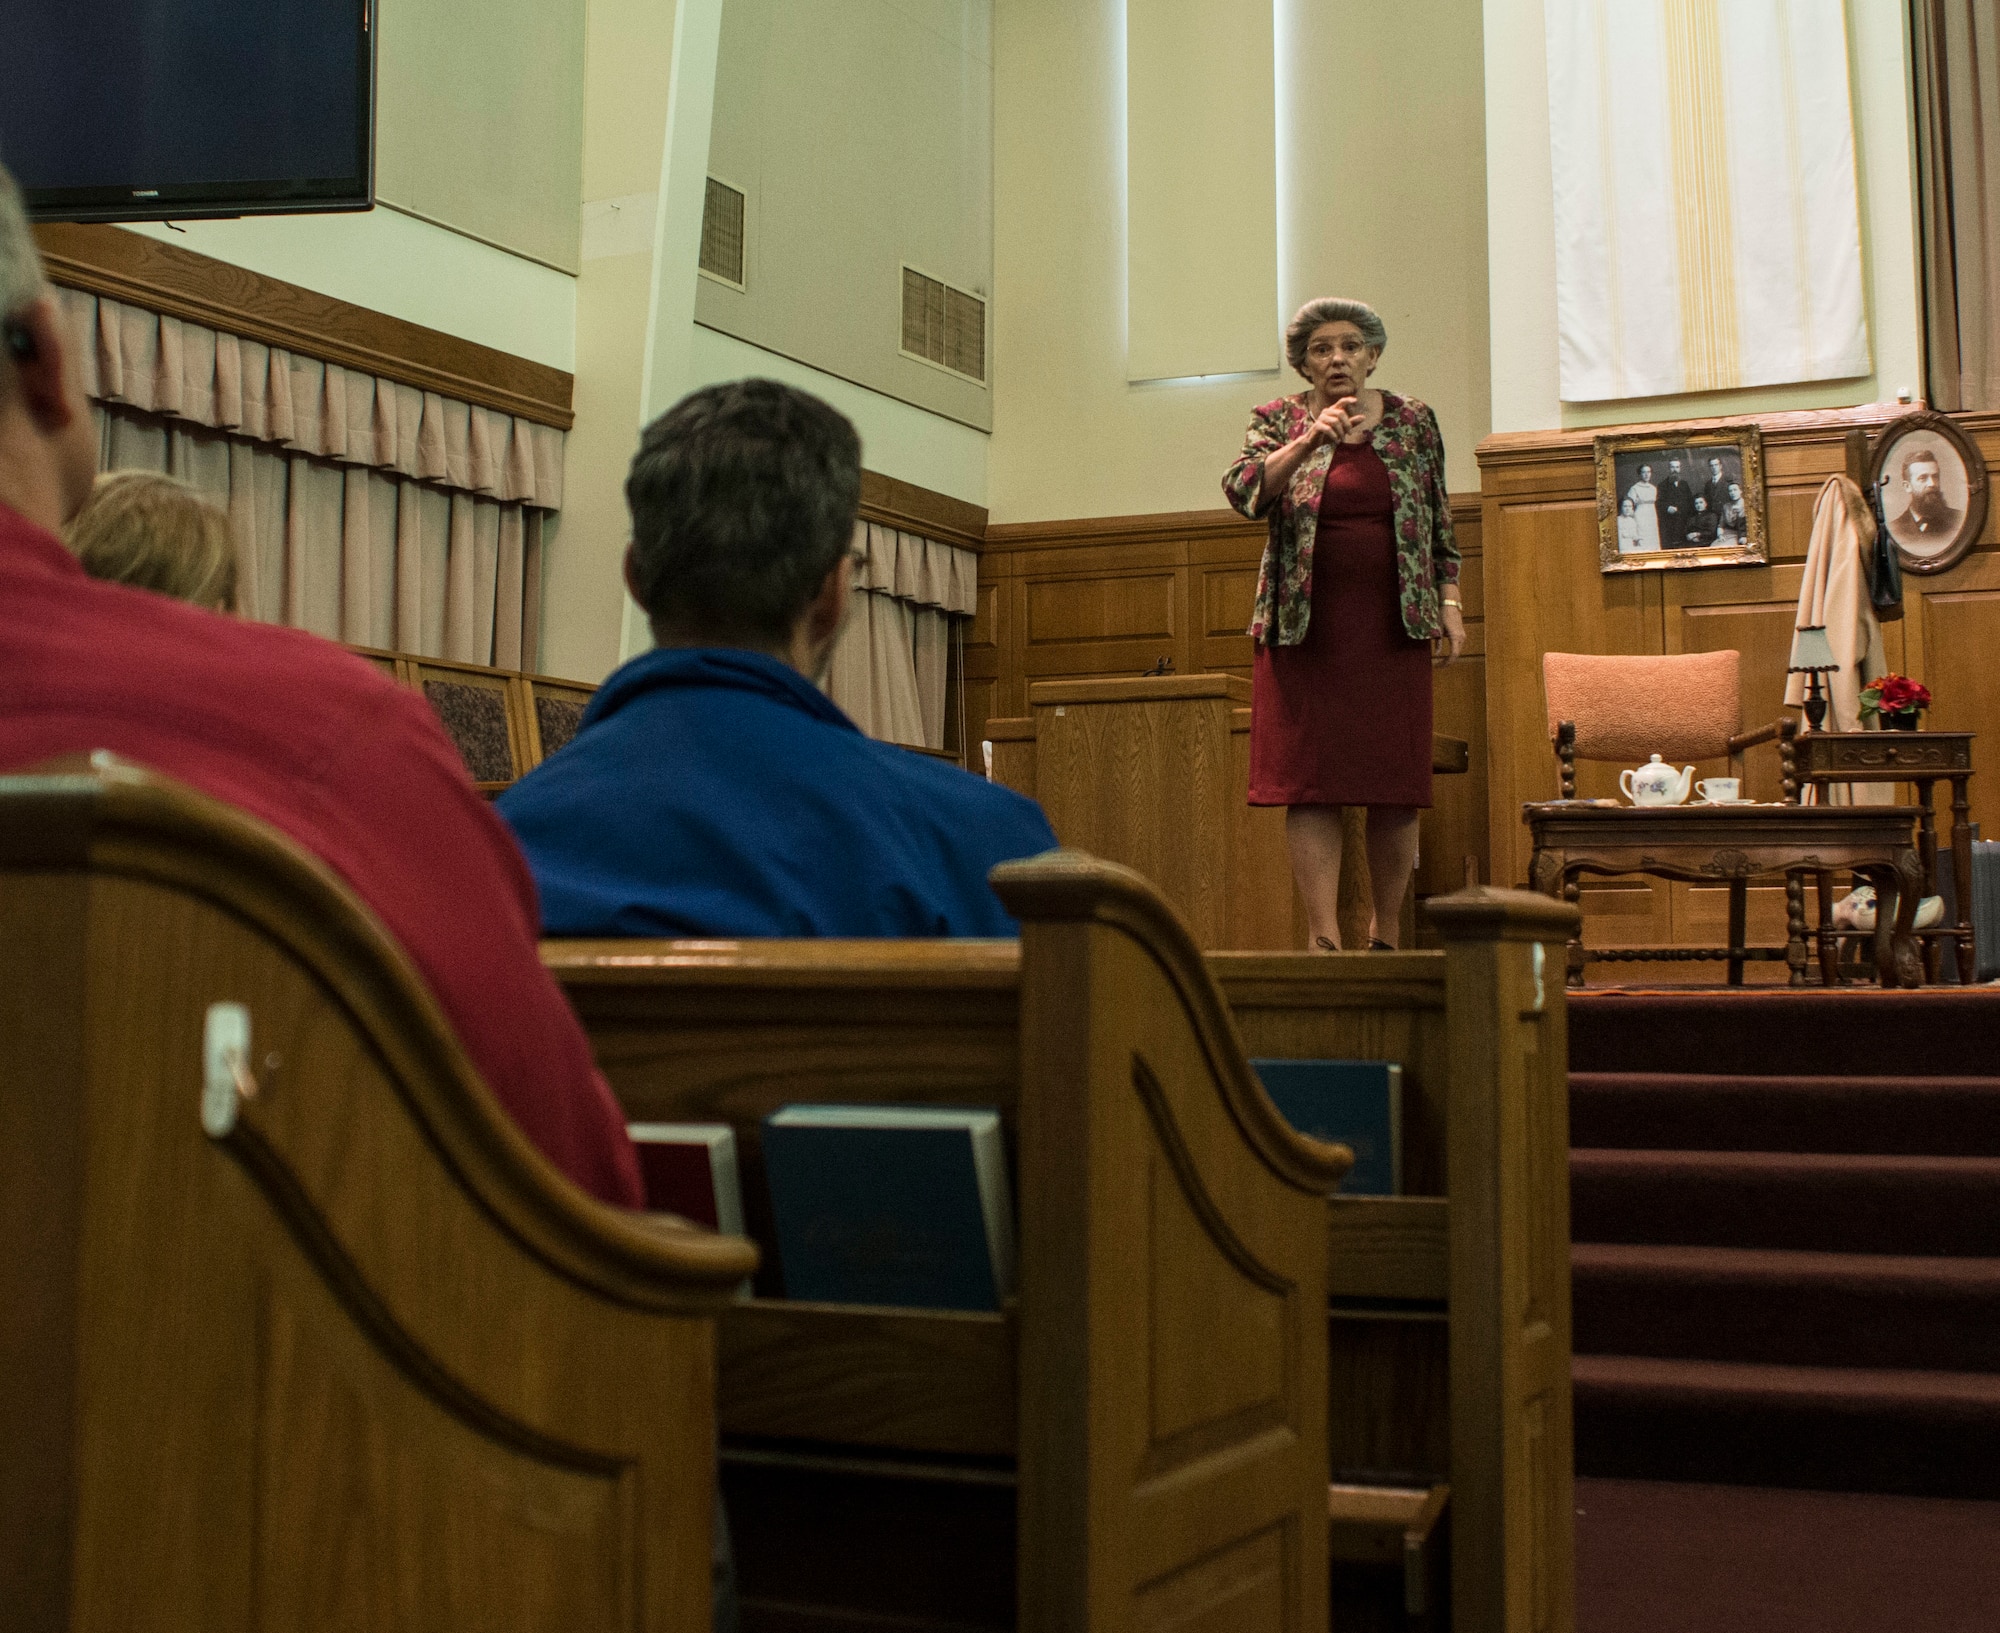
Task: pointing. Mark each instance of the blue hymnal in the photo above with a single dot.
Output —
(1355, 1103)
(899, 1205)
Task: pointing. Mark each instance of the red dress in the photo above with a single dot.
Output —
(1344, 717)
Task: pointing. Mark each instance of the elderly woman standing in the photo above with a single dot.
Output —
(1358, 586)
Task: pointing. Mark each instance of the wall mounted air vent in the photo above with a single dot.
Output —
(722, 233)
(944, 326)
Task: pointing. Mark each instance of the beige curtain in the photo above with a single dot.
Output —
(891, 665)
(366, 511)
(1957, 57)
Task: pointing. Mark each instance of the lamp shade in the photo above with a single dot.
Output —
(1811, 654)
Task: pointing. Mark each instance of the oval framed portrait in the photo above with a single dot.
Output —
(1929, 484)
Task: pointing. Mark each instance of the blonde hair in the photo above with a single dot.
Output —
(155, 533)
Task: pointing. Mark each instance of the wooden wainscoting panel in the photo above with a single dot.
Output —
(1223, 596)
(1959, 630)
(1104, 623)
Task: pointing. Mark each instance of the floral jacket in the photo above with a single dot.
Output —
(1410, 445)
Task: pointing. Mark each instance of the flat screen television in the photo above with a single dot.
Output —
(147, 110)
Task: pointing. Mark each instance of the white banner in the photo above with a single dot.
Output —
(1707, 229)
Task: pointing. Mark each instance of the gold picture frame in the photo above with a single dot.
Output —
(1680, 498)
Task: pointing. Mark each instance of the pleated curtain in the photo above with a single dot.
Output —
(1957, 52)
(366, 510)
(892, 663)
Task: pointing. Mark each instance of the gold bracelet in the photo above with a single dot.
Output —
(1449, 602)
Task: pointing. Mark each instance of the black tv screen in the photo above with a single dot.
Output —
(130, 110)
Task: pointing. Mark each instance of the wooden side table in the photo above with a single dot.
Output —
(1924, 758)
(1734, 844)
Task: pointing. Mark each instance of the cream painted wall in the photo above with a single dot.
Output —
(1381, 194)
(627, 77)
(896, 439)
(860, 132)
(1521, 227)
(479, 119)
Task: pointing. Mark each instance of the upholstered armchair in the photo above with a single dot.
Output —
(1687, 706)
(1681, 707)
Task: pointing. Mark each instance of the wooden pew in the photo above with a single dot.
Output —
(728, 1031)
(1449, 1349)
(305, 1335)
(1139, 1439)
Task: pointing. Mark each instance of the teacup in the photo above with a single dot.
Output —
(1720, 790)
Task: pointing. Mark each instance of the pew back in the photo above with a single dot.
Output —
(1449, 1335)
(305, 1334)
(1154, 1400)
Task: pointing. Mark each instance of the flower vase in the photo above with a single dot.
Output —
(1906, 721)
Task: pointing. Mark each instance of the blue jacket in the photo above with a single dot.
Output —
(717, 792)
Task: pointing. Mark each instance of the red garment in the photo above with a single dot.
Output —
(352, 767)
(1344, 717)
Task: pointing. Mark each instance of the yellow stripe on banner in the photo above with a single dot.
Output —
(1795, 174)
(1710, 360)
(1607, 160)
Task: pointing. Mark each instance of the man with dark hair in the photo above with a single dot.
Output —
(713, 789)
(1930, 519)
(282, 725)
(1676, 508)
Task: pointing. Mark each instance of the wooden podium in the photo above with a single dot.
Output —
(1153, 772)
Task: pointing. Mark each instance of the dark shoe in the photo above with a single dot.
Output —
(1322, 945)
(1378, 946)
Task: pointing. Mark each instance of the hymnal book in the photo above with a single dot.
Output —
(897, 1205)
(1355, 1103)
(690, 1169)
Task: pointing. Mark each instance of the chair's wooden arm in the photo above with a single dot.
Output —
(1762, 734)
(1785, 732)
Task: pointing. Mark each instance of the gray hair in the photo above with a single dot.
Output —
(20, 262)
(1330, 309)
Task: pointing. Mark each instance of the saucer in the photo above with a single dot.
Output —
(1722, 802)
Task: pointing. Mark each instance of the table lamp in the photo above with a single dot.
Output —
(1812, 657)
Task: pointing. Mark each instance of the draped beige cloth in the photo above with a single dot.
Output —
(1957, 51)
(366, 510)
(1833, 594)
(891, 664)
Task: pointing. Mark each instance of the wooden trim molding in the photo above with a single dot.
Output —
(1532, 448)
(185, 284)
(1161, 528)
(911, 509)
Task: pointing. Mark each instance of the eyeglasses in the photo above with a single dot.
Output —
(1323, 349)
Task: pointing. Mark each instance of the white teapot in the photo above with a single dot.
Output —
(1657, 784)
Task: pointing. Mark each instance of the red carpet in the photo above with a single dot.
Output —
(1655, 1558)
(1786, 1223)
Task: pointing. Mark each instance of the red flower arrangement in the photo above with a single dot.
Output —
(1894, 697)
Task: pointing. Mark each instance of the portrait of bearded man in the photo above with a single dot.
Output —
(1928, 521)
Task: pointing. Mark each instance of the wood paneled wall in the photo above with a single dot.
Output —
(1540, 542)
(1112, 596)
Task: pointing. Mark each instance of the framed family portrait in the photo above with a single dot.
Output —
(1684, 499)
(1929, 486)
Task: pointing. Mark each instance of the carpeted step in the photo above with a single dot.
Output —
(1798, 1309)
(1931, 1434)
(1935, 1032)
(1815, 1202)
(1913, 1116)
(1656, 1557)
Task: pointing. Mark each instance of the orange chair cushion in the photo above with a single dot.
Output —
(1685, 707)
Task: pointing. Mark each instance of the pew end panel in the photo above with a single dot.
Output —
(333, 1345)
(1164, 1208)
(1513, 1462)
(1173, 1388)
(1449, 1340)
